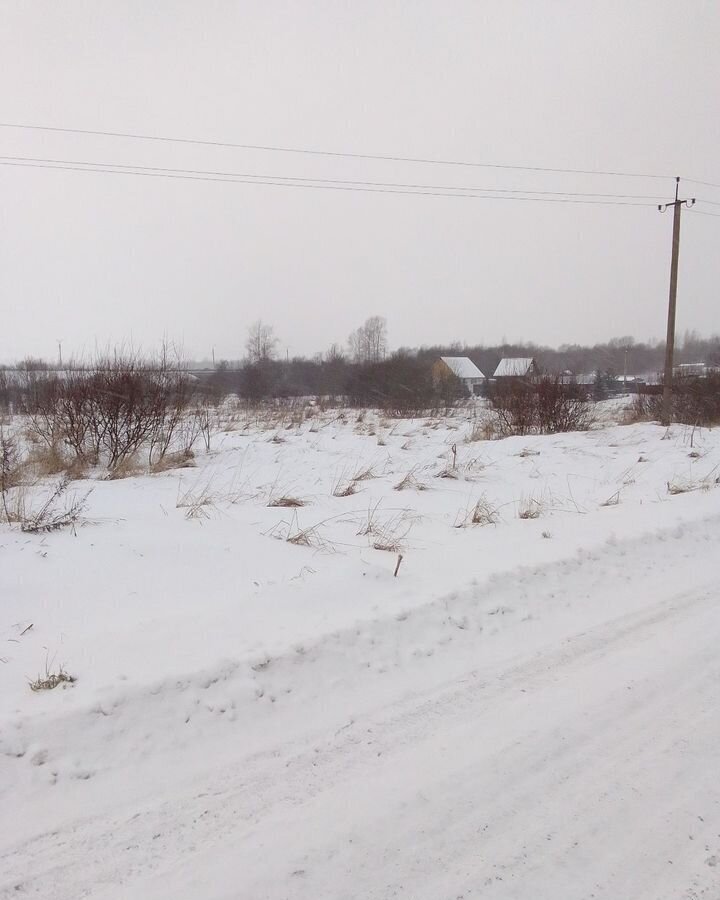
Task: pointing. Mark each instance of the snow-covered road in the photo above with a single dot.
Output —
(586, 770)
(530, 710)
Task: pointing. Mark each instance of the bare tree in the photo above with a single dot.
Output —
(261, 342)
(369, 342)
(334, 353)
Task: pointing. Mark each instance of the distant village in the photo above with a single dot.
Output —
(526, 369)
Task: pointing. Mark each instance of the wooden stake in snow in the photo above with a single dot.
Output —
(397, 566)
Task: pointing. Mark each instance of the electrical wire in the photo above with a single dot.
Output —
(291, 178)
(703, 183)
(332, 187)
(331, 153)
(701, 212)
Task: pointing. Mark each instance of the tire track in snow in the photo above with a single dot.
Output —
(78, 860)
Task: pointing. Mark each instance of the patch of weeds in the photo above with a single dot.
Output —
(364, 473)
(529, 508)
(410, 482)
(391, 535)
(196, 501)
(184, 459)
(481, 513)
(681, 486)
(51, 678)
(289, 502)
(368, 526)
(292, 533)
(448, 472)
(345, 490)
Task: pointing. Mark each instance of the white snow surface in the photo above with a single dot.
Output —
(530, 709)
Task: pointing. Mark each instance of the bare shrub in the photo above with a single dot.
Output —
(544, 405)
(9, 469)
(695, 401)
(515, 408)
(112, 409)
(560, 407)
(202, 418)
(52, 515)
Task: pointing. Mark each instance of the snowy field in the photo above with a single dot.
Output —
(529, 709)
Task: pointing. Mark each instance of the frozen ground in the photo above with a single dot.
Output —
(530, 709)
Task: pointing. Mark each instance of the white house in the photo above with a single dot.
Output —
(463, 368)
(516, 367)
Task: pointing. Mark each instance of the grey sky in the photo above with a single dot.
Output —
(92, 259)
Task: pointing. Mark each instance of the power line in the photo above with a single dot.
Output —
(330, 153)
(331, 187)
(701, 212)
(703, 183)
(291, 178)
(709, 202)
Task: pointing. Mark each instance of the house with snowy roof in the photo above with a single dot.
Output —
(516, 367)
(463, 368)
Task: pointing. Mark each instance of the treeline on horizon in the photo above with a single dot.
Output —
(407, 371)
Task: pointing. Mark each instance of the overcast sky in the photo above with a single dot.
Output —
(93, 259)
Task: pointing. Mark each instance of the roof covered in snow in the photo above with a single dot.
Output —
(462, 367)
(514, 367)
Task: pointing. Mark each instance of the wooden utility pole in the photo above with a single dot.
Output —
(670, 339)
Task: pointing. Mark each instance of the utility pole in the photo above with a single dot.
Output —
(625, 372)
(670, 340)
(59, 343)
